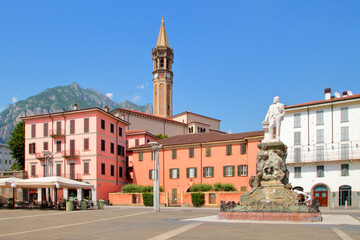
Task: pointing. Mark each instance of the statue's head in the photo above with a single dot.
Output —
(276, 99)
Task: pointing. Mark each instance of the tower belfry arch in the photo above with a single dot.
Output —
(162, 56)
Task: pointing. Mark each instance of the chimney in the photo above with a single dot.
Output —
(327, 93)
(75, 107)
(345, 94)
(106, 109)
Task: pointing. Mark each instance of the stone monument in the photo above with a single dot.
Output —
(271, 197)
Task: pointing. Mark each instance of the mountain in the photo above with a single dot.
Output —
(57, 99)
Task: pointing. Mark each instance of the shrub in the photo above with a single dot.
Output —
(198, 199)
(228, 187)
(148, 199)
(146, 188)
(130, 188)
(201, 188)
(218, 187)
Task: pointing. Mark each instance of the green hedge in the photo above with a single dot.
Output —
(227, 187)
(148, 199)
(198, 199)
(201, 188)
(132, 188)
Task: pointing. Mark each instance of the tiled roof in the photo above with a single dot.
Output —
(188, 112)
(204, 138)
(324, 101)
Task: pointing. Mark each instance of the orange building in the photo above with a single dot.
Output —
(199, 158)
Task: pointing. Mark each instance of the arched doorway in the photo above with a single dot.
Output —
(344, 195)
(321, 194)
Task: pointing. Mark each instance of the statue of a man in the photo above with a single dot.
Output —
(274, 117)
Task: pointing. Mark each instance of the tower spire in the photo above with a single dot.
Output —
(162, 40)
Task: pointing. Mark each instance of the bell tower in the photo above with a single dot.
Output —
(162, 56)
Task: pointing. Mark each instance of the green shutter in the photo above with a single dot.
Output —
(191, 152)
(152, 156)
(204, 171)
(233, 171)
(140, 156)
(178, 173)
(212, 171)
(150, 174)
(224, 171)
(187, 172)
(243, 148)
(238, 168)
(195, 175)
(228, 149)
(208, 151)
(170, 173)
(174, 154)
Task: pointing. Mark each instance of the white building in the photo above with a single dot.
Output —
(5, 158)
(323, 139)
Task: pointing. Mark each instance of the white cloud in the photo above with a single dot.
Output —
(136, 98)
(142, 86)
(109, 95)
(14, 99)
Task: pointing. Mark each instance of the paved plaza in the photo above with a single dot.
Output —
(171, 223)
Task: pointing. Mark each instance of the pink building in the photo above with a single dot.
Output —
(86, 145)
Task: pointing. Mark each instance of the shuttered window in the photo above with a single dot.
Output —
(32, 148)
(33, 170)
(140, 156)
(58, 146)
(58, 128)
(191, 172)
(208, 171)
(58, 169)
(33, 130)
(229, 171)
(86, 168)
(243, 148)
(191, 152)
(86, 125)
(208, 151)
(46, 146)
(174, 173)
(242, 170)
(72, 126)
(228, 149)
(86, 144)
(46, 129)
(174, 155)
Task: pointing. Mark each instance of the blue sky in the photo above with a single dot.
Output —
(231, 57)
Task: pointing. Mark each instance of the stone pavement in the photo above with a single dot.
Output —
(171, 223)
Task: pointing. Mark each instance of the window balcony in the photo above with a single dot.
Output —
(40, 155)
(73, 176)
(57, 133)
(71, 153)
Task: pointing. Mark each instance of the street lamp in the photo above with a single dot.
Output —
(155, 174)
(48, 163)
(13, 185)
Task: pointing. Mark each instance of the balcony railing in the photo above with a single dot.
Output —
(55, 133)
(71, 153)
(74, 176)
(343, 151)
(40, 155)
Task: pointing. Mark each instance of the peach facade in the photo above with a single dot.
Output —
(231, 160)
(87, 145)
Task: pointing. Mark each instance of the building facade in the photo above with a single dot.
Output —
(6, 160)
(199, 158)
(86, 145)
(323, 139)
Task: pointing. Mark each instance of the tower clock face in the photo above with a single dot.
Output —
(168, 75)
(155, 75)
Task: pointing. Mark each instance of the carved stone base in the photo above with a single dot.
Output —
(271, 216)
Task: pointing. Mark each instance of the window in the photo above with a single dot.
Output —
(174, 173)
(103, 168)
(112, 148)
(45, 146)
(191, 172)
(102, 124)
(208, 172)
(344, 114)
(120, 172)
(33, 170)
(345, 151)
(344, 133)
(191, 152)
(72, 126)
(112, 170)
(242, 170)
(137, 142)
(319, 135)
(121, 150)
(297, 172)
(228, 149)
(112, 128)
(297, 155)
(174, 155)
(33, 130)
(297, 138)
(32, 148)
(120, 131)
(297, 120)
(320, 171)
(86, 125)
(58, 128)
(208, 151)
(140, 156)
(320, 117)
(103, 145)
(86, 168)
(46, 129)
(243, 148)
(320, 153)
(344, 169)
(58, 169)
(86, 144)
(58, 146)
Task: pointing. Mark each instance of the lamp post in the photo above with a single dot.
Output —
(48, 163)
(13, 186)
(155, 174)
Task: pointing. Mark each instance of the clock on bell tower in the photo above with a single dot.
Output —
(162, 56)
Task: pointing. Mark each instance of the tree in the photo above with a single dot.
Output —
(16, 144)
(161, 136)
